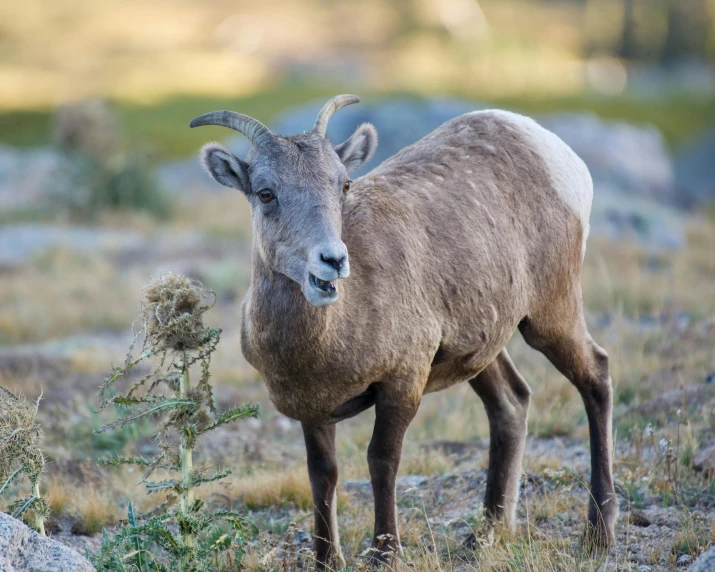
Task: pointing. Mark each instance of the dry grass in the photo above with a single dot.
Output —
(64, 293)
(623, 277)
(269, 489)
(423, 463)
(59, 495)
(225, 214)
(94, 509)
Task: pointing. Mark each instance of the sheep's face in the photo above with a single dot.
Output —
(296, 187)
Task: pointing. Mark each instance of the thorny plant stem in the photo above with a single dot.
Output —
(187, 495)
(39, 522)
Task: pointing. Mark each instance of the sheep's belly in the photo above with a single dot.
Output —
(456, 370)
(315, 402)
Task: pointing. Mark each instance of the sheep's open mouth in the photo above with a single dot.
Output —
(327, 286)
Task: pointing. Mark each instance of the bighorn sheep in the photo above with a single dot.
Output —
(455, 242)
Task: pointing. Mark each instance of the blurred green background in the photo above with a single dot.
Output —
(161, 62)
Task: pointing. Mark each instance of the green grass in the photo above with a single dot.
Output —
(679, 118)
(163, 127)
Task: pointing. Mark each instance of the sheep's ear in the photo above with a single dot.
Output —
(359, 148)
(224, 167)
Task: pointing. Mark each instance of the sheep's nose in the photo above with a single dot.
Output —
(336, 261)
(332, 256)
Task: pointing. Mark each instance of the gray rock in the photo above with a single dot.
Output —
(24, 550)
(635, 190)
(621, 216)
(683, 560)
(26, 176)
(19, 242)
(705, 460)
(705, 562)
(695, 170)
(623, 158)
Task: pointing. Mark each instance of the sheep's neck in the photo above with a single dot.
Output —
(281, 311)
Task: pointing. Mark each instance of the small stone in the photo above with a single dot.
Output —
(638, 518)
(705, 460)
(644, 568)
(684, 560)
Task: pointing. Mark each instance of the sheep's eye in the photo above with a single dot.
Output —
(346, 186)
(266, 195)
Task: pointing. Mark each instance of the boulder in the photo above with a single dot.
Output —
(24, 550)
(705, 460)
(635, 193)
(705, 562)
(624, 159)
(695, 170)
(27, 175)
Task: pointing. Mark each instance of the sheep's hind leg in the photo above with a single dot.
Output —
(323, 473)
(506, 397)
(395, 407)
(560, 334)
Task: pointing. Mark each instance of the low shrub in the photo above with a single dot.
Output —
(99, 172)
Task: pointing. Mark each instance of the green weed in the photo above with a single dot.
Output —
(187, 533)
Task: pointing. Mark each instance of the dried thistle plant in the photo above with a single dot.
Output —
(175, 339)
(21, 453)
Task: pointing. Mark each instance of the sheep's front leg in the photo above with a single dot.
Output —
(393, 414)
(323, 473)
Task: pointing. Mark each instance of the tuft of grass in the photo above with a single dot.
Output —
(622, 278)
(93, 510)
(692, 539)
(59, 495)
(289, 488)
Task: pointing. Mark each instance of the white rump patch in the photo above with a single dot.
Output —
(569, 175)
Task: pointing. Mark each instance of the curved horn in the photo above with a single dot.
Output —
(254, 130)
(335, 103)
